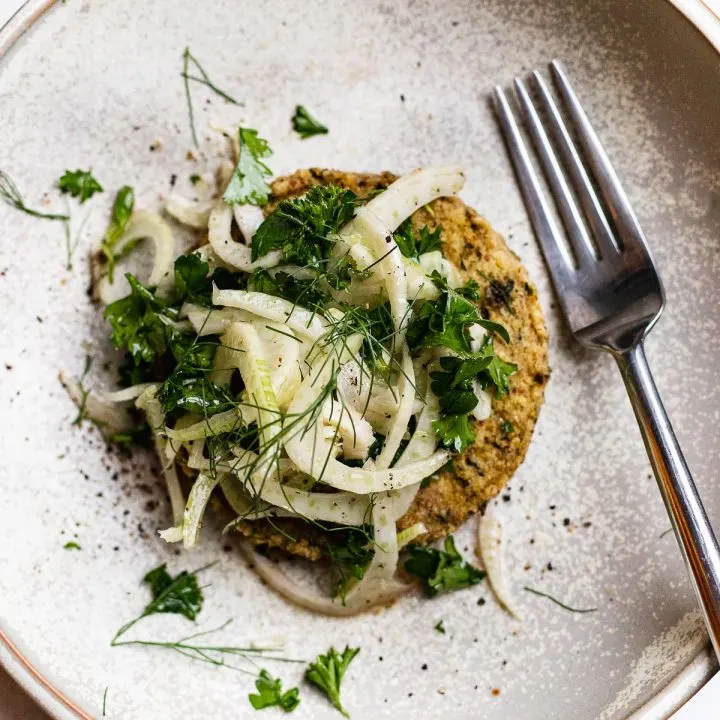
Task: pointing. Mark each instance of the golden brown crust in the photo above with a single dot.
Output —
(509, 298)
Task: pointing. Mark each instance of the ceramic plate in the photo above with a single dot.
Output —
(400, 84)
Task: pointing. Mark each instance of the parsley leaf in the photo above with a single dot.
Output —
(305, 125)
(440, 627)
(139, 324)
(191, 280)
(412, 243)
(455, 432)
(248, 185)
(327, 672)
(180, 594)
(442, 570)
(442, 323)
(270, 694)
(121, 213)
(79, 183)
(71, 545)
(303, 227)
(470, 290)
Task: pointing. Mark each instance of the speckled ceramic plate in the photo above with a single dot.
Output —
(400, 84)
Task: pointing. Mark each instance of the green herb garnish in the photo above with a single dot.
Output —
(190, 60)
(11, 195)
(104, 703)
(412, 243)
(270, 694)
(179, 595)
(327, 672)
(80, 184)
(455, 432)
(303, 228)
(71, 545)
(507, 427)
(121, 213)
(305, 125)
(350, 552)
(84, 392)
(248, 185)
(440, 627)
(443, 570)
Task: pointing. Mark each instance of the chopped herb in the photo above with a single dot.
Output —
(440, 627)
(557, 602)
(11, 195)
(327, 672)
(270, 694)
(80, 184)
(308, 293)
(507, 427)
(84, 392)
(470, 290)
(529, 289)
(202, 79)
(305, 125)
(121, 213)
(104, 705)
(248, 185)
(664, 533)
(195, 178)
(178, 595)
(303, 227)
(412, 243)
(443, 322)
(71, 545)
(442, 570)
(455, 432)
(191, 280)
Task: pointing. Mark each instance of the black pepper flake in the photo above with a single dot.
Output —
(549, 566)
(552, 507)
(506, 498)
(173, 180)
(380, 658)
(481, 601)
(566, 521)
(402, 98)
(424, 666)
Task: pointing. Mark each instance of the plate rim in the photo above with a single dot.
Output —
(704, 15)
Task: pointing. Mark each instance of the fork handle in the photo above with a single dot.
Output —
(694, 534)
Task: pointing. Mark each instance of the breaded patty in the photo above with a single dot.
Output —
(508, 297)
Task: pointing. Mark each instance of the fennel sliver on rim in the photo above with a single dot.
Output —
(321, 363)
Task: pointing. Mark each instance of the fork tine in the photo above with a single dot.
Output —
(548, 235)
(584, 250)
(626, 224)
(584, 189)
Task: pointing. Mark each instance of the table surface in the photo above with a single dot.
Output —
(16, 705)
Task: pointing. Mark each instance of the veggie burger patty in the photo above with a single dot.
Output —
(508, 297)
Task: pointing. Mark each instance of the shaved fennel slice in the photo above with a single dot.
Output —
(304, 323)
(489, 534)
(213, 322)
(215, 425)
(413, 190)
(248, 219)
(228, 250)
(195, 509)
(311, 600)
(254, 371)
(355, 431)
(107, 415)
(401, 418)
(309, 451)
(193, 213)
(409, 534)
(150, 405)
(282, 352)
(424, 439)
(142, 225)
(371, 397)
(379, 238)
(419, 285)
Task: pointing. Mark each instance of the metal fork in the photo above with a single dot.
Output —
(609, 290)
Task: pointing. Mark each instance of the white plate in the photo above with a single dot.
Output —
(96, 84)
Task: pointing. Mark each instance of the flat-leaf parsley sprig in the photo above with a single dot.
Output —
(327, 671)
